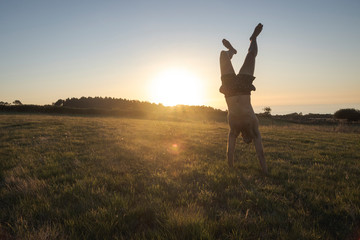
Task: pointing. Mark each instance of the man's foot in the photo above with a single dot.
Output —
(228, 45)
(256, 32)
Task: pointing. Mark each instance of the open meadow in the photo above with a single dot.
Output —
(73, 177)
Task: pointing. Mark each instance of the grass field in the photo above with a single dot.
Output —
(112, 178)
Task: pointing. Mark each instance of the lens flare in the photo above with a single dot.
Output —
(174, 148)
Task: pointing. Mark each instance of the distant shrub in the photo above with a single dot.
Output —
(17, 102)
(349, 114)
(59, 103)
(267, 112)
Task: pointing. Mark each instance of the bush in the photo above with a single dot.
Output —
(349, 114)
(17, 102)
(267, 112)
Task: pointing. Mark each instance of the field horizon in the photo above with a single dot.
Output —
(119, 107)
(283, 109)
(80, 177)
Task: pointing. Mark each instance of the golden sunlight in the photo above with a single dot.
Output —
(177, 86)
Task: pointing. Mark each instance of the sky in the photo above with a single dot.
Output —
(308, 60)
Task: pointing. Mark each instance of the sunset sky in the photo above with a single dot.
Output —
(308, 61)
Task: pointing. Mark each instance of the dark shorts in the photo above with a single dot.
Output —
(240, 84)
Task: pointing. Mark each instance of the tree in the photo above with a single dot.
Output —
(17, 102)
(267, 111)
(59, 103)
(349, 114)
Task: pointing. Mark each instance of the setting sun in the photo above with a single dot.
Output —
(176, 86)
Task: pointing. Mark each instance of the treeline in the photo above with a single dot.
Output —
(107, 103)
(119, 107)
(311, 118)
(349, 115)
(143, 109)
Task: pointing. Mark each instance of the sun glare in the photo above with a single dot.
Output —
(176, 86)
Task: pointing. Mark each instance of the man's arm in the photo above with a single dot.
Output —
(260, 150)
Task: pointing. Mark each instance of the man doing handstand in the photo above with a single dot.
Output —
(237, 88)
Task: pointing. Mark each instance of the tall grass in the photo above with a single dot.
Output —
(108, 178)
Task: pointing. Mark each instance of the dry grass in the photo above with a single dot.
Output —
(109, 178)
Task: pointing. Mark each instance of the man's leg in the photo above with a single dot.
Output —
(226, 66)
(249, 64)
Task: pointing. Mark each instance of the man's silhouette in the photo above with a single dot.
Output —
(237, 88)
